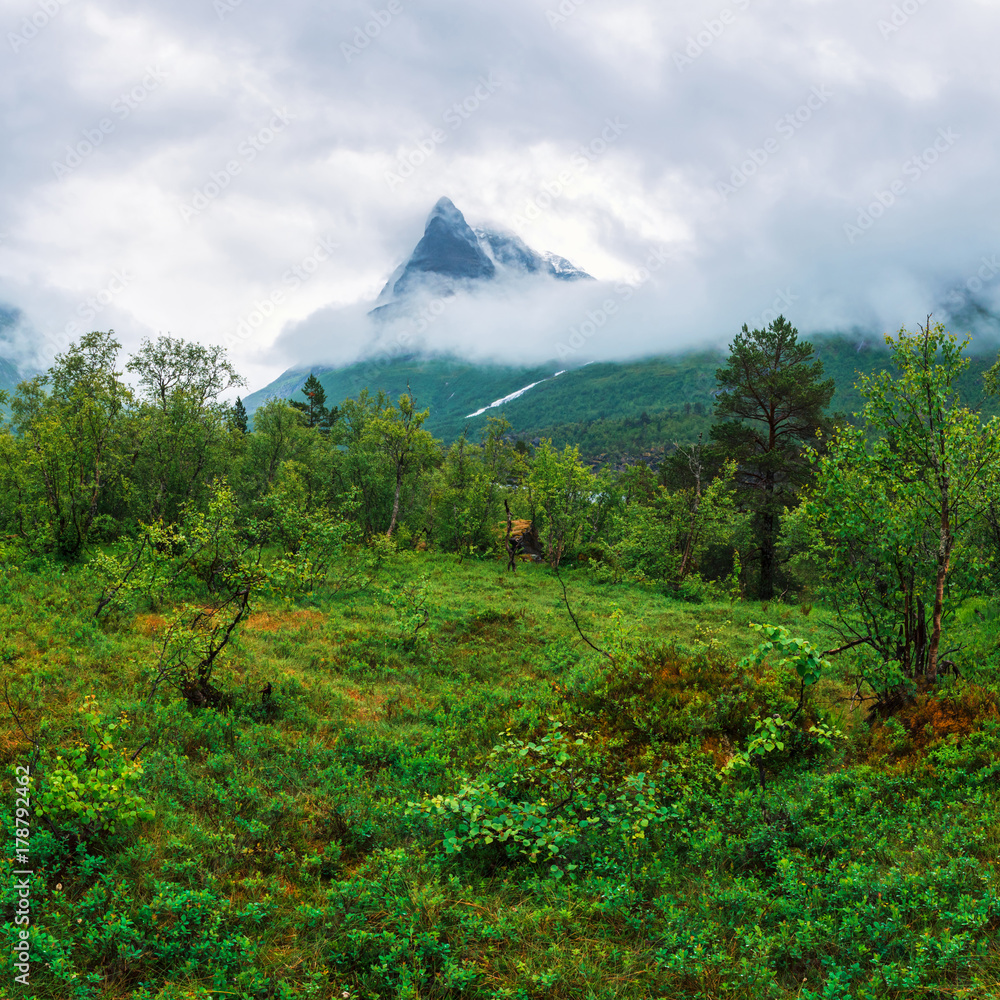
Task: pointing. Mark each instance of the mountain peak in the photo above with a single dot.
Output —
(445, 208)
(451, 253)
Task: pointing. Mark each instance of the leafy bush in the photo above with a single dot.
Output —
(666, 537)
(668, 692)
(90, 790)
(541, 799)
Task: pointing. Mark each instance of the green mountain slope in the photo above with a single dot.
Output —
(612, 410)
(9, 374)
(451, 388)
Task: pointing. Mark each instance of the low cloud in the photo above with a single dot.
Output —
(836, 159)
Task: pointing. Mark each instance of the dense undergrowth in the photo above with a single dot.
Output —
(445, 792)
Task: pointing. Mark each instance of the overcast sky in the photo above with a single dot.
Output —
(188, 167)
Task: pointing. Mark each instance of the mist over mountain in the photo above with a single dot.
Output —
(504, 320)
(481, 293)
(9, 375)
(12, 369)
(806, 156)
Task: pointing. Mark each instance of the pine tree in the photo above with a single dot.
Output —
(240, 415)
(770, 401)
(317, 415)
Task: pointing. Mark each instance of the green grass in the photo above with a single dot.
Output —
(283, 860)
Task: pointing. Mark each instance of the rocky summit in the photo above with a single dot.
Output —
(452, 254)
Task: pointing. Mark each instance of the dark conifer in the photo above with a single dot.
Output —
(240, 415)
(770, 401)
(314, 408)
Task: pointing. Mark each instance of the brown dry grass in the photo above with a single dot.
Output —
(271, 621)
(149, 625)
(930, 718)
(368, 707)
(13, 745)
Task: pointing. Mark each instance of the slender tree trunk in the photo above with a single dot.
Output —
(767, 548)
(767, 559)
(943, 561)
(395, 501)
(695, 466)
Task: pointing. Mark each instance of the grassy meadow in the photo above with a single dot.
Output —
(449, 793)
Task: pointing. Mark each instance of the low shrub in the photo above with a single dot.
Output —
(90, 791)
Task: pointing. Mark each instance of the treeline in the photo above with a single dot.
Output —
(87, 460)
(892, 519)
(645, 438)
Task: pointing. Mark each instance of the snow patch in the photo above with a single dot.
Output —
(514, 395)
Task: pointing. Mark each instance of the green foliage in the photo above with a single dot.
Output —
(170, 366)
(410, 604)
(209, 549)
(770, 401)
(90, 790)
(279, 436)
(897, 504)
(310, 532)
(775, 740)
(598, 406)
(800, 654)
(772, 732)
(568, 503)
(239, 416)
(665, 537)
(540, 800)
(394, 434)
(314, 408)
(64, 453)
(768, 736)
(193, 641)
(283, 846)
(467, 492)
(429, 780)
(82, 457)
(186, 437)
(387, 455)
(665, 692)
(206, 547)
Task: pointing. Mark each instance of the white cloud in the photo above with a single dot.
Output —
(656, 185)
